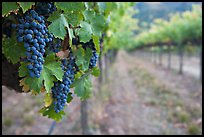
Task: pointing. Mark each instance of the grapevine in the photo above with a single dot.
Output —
(57, 48)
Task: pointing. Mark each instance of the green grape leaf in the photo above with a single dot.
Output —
(70, 6)
(53, 66)
(23, 70)
(96, 43)
(96, 71)
(88, 54)
(49, 111)
(88, 15)
(79, 77)
(79, 55)
(83, 88)
(7, 7)
(85, 32)
(54, 16)
(106, 7)
(12, 49)
(69, 97)
(74, 18)
(26, 5)
(98, 23)
(58, 25)
(34, 83)
(83, 58)
(48, 99)
(48, 79)
(102, 6)
(89, 5)
(51, 72)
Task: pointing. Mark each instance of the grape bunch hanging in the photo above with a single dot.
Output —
(32, 30)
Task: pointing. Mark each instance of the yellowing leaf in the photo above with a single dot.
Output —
(48, 99)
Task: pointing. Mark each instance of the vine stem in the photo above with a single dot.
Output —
(52, 127)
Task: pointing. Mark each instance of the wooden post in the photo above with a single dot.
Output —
(100, 66)
(106, 65)
(169, 56)
(201, 64)
(160, 55)
(84, 118)
(180, 51)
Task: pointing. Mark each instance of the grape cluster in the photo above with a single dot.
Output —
(61, 89)
(55, 47)
(32, 31)
(45, 8)
(94, 57)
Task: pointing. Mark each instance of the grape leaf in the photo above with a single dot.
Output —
(96, 43)
(26, 5)
(25, 87)
(88, 15)
(94, 24)
(57, 27)
(85, 32)
(96, 71)
(23, 70)
(48, 99)
(83, 88)
(98, 24)
(83, 58)
(102, 6)
(12, 49)
(49, 111)
(7, 7)
(51, 72)
(70, 6)
(34, 83)
(74, 18)
(106, 7)
(54, 66)
(54, 16)
(69, 97)
(89, 5)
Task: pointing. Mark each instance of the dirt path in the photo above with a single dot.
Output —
(136, 108)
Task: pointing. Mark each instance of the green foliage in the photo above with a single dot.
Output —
(96, 43)
(23, 71)
(58, 25)
(8, 7)
(121, 26)
(85, 32)
(26, 5)
(49, 111)
(8, 46)
(51, 72)
(69, 98)
(70, 6)
(83, 88)
(83, 58)
(96, 72)
(180, 28)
